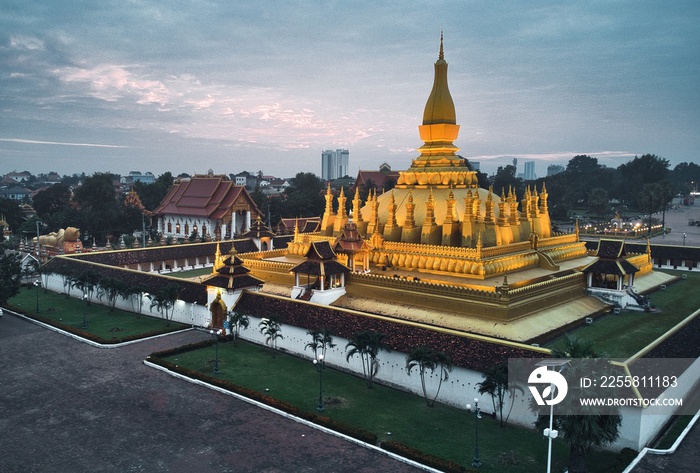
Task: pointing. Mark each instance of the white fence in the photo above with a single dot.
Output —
(639, 426)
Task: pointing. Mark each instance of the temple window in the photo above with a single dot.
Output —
(170, 227)
(177, 228)
(187, 229)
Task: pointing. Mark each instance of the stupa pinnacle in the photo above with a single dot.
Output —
(438, 163)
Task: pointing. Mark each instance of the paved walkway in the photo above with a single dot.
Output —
(68, 407)
(685, 458)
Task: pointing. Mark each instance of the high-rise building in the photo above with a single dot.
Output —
(334, 164)
(553, 169)
(529, 174)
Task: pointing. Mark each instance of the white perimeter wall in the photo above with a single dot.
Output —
(639, 426)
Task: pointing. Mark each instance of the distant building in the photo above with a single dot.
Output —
(529, 174)
(250, 181)
(211, 206)
(334, 164)
(14, 193)
(18, 177)
(553, 169)
(376, 179)
(138, 176)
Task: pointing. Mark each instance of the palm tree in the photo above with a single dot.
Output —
(272, 331)
(110, 288)
(164, 300)
(133, 293)
(321, 340)
(366, 345)
(238, 320)
(582, 432)
(86, 282)
(496, 384)
(425, 358)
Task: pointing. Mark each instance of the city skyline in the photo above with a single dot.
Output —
(232, 87)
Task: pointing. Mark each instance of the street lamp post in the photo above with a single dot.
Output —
(38, 244)
(216, 344)
(684, 235)
(319, 366)
(551, 433)
(85, 296)
(477, 415)
(37, 285)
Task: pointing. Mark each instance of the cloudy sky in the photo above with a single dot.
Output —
(192, 85)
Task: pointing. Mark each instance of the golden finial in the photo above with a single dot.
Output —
(442, 53)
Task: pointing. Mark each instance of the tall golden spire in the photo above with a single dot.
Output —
(440, 108)
(439, 130)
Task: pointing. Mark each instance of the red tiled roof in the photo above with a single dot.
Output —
(211, 197)
(305, 224)
(377, 177)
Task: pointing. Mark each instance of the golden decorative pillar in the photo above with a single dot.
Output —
(505, 233)
(357, 213)
(341, 217)
(513, 215)
(450, 227)
(468, 223)
(430, 233)
(410, 233)
(328, 215)
(392, 231)
(490, 234)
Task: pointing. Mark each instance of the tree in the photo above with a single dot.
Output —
(51, 200)
(164, 300)
(598, 201)
(650, 199)
(10, 275)
(506, 178)
(366, 345)
(321, 340)
(30, 269)
(134, 294)
(98, 205)
(12, 213)
(272, 330)
(110, 289)
(685, 177)
(238, 320)
(424, 359)
(152, 195)
(582, 432)
(636, 174)
(86, 282)
(496, 385)
(304, 196)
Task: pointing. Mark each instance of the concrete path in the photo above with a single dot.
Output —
(685, 458)
(69, 407)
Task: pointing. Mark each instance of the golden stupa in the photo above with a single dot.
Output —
(438, 220)
(439, 250)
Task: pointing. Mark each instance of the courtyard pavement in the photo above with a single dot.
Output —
(66, 406)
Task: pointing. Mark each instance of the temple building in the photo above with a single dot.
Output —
(439, 249)
(438, 220)
(210, 206)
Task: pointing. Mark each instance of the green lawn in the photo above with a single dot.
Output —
(101, 322)
(624, 334)
(391, 414)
